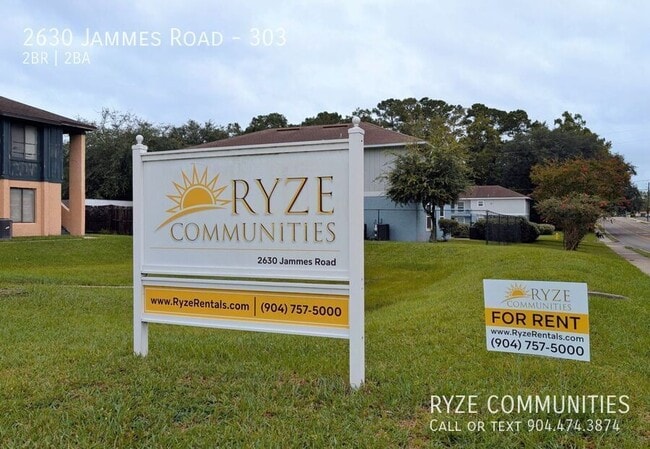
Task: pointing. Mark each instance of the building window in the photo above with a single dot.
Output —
(429, 223)
(24, 140)
(480, 203)
(460, 206)
(23, 205)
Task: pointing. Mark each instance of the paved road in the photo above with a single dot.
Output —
(630, 233)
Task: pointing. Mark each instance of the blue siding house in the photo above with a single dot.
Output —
(383, 218)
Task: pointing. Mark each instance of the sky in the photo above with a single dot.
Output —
(229, 61)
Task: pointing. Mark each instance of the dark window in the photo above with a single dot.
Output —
(24, 142)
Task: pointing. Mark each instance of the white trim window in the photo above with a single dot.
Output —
(23, 205)
(480, 203)
(24, 142)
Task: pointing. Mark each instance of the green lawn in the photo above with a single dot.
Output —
(68, 376)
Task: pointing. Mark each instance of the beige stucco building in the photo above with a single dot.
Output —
(32, 170)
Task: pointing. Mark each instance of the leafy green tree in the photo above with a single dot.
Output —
(192, 133)
(637, 200)
(366, 116)
(108, 154)
(485, 132)
(325, 118)
(233, 129)
(575, 214)
(268, 121)
(569, 139)
(431, 175)
(396, 114)
(424, 118)
(108, 148)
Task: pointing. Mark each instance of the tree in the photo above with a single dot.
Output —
(193, 133)
(574, 193)
(233, 129)
(422, 118)
(570, 139)
(637, 200)
(108, 148)
(485, 132)
(366, 116)
(325, 118)
(518, 155)
(607, 178)
(268, 121)
(575, 214)
(431, 175)
(108, 154)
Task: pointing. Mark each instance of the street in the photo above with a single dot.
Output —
(629, 231)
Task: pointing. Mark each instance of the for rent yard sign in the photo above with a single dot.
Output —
(265, 238)
(535, 317)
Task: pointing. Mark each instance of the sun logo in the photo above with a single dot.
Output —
(195, 194)
(516, 291)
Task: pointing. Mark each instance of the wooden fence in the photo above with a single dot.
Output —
(109, 219)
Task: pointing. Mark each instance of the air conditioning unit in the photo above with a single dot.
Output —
(5, 228)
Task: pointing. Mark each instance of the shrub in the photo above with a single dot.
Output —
(477, 230)
(462, 231)
(508, 229)
(453, 228)
(545, 228)
(529, 231)
(448, 227)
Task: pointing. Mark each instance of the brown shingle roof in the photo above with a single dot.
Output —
(481, 192)
(14, 109)
(374, 136)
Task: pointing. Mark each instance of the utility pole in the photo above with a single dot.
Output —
(647, 203)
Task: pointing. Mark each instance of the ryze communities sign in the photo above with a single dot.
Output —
(263, 238)
(537, 317)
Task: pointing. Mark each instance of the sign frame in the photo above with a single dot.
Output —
(203, 279)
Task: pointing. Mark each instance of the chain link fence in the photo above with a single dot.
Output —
(499, 228)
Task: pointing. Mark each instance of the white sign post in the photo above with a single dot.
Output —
(264, 238)
(537, 317)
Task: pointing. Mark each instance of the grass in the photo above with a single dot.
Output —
(68, 376)
(639, 251)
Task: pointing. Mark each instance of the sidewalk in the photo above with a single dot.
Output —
(636, 259)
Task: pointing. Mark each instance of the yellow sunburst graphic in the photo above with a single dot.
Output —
(195, 194)
(517, 291)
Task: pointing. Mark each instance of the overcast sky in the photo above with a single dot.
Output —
(228, 61)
